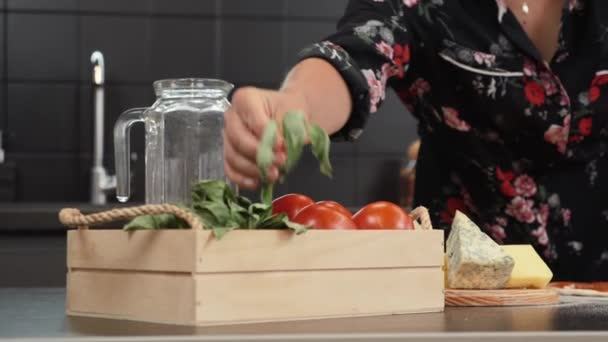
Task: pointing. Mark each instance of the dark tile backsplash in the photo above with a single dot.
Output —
(307, 179)
(252, 50)
(314, 9)
(49, 178)
(42, 47)
(43, 5)
(390, 130)
(2, 50)
(3, 116)
(46, 95)
(124, 42)
(303, 33)
(377, 178)
(182, 48)
(42, 118)
(264, 8)
(186, 7)
(115, 6)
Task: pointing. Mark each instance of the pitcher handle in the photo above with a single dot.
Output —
(122, 150)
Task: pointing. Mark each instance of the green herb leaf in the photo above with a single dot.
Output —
(213, 213)
(142, 222)
(320, 148)
(243, 201)
(239, 214)
(265, 153)
(294, 131)
(209, 190)
(266, 193)
(296, 227)
(162, 221)
(256, 212)
(261, 209)
(219, 232)
(272, 221)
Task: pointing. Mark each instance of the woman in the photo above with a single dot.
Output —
(512, 102)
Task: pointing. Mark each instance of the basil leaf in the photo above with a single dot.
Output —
(162, 221)
(258, 212)
(207, 217)
(261, 209)
(272, 222)
(209, 190)
(242, 201)
(265, 152)
(219, 210)
(266, 193)
(239, 215)
(296, 227)
(264, 158)
(142, 222)
(320, 148)
(294, 132)
(219, 232)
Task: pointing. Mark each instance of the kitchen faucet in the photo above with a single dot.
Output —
(101, 182)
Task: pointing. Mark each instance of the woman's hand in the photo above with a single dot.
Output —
(313, 87)
(244, 123)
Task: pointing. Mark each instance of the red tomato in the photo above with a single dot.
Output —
(383, 215)
(336, 206)
(290, 204)
(323, 217)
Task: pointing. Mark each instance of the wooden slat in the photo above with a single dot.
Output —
(132, 296)
(280, 296)
(162, 250)
(265, 250)
(507, 297)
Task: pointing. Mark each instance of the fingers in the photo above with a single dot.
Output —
(238, 178)
(244, 125)
(244, 173)
(246, 167)
(241, 139)
(252, 109)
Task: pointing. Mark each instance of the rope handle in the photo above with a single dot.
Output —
(74, 218)
(421, 214)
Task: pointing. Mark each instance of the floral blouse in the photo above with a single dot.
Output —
(516, 143)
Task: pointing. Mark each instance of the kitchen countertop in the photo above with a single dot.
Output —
(38, 313)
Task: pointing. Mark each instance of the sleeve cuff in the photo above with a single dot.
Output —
(356, 82)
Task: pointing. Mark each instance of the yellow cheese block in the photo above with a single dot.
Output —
(530, 271)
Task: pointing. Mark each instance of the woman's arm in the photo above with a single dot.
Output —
(337, 84)
(324, 92)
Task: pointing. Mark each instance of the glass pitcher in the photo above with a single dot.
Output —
(184, 141)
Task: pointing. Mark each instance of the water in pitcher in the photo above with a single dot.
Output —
(191, 151)
(184, 142)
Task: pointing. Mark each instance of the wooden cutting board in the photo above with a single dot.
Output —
(505, 297)
(593, 289)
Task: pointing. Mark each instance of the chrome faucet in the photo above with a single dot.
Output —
(101, 182)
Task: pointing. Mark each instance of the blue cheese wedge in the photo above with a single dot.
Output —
(475, 261)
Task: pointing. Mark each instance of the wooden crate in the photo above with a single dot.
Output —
(188, 277)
